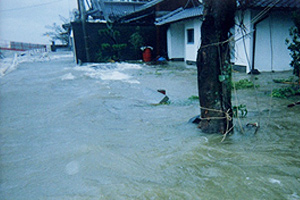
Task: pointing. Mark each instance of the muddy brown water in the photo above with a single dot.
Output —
(87, 132)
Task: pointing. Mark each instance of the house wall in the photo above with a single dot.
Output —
(243, 40)
(191, 49)
(175, 42)
(178, 46)
(270, 52)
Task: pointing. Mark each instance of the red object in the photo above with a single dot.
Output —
(162, 91)
(147, 55)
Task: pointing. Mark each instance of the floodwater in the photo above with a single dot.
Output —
(91, 132)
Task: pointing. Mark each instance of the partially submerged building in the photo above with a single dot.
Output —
(124, 17)
(173, 29)
(261, 32)
(183, 32)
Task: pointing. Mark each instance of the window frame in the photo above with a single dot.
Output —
(190, 38)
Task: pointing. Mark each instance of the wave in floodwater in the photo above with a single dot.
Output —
(10, 62)
(95, 132)
(109, 71)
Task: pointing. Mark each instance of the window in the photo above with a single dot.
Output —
(190, 36)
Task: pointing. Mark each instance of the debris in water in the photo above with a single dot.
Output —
(195, 120)
(294, 104)
(155, 97)
(273, 180)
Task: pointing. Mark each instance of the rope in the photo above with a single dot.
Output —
(227, 117)
(256, 18)
(272, 55)
(232, 38)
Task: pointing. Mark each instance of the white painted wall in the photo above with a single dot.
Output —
(175, 41)
(191, 49)
(271, 52)
(243, 41)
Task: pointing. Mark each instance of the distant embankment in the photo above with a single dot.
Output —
(20, 46)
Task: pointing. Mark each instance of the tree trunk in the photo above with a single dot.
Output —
(213, 64)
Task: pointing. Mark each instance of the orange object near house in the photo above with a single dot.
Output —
(147, 55)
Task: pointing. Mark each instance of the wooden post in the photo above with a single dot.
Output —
(213, 64)
(81, 9)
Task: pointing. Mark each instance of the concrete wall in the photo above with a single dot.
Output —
(178, 46)
(175, 41)
(191, 49)
(271, 52)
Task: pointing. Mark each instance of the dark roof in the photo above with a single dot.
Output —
(149, 5)
(121, 8)
(111, 10)
(157, 8)
(180, 14)
(277, 4)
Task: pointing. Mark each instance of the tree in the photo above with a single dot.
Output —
(294, 45)
(112, 49)
(214, 69)
(58, 33)
(137, 40)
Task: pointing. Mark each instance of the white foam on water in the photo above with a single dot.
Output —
(274, 181)
(109, 71)
(114, 75)
(72, 168)
(10, 64)
(133, 81)
(293, 196)
(124, 66)
(68, 76)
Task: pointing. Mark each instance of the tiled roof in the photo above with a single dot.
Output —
(120, 9)
(114, 9)
(180, 14)
(280, 4)
(150, 4)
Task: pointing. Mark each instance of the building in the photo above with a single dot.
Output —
(261, 32)
(124, 17)
(183, 32)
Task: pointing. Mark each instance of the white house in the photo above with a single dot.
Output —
(260, 35)
(183, 33)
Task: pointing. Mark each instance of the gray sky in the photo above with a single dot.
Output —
(25, 20)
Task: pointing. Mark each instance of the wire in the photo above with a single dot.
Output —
(272, 63)
(28, 7)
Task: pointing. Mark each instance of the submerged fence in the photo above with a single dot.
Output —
(20, 46)
(14, 53)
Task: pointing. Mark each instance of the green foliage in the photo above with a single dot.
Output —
(112, 49)
(226, 73)
(136, 39)
(285, 92)
(244, 84)
(105, 46)
(239, 111)
(294, 47)
(287, 80)
(118, 47)
(158, 73)
(194, 97)
(109, 33)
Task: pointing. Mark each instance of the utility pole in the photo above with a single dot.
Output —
(213, 65)
(81, 9)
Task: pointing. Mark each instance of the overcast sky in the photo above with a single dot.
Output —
(25, 20)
